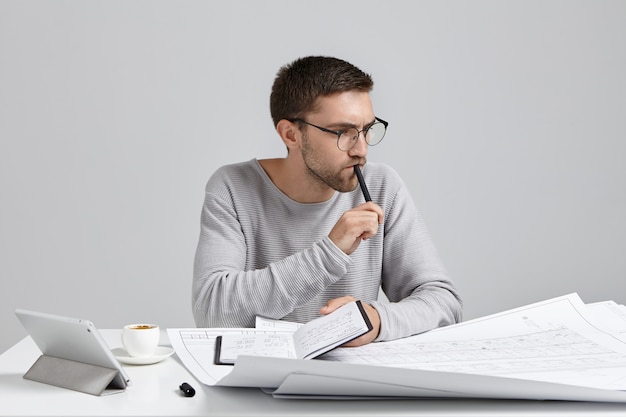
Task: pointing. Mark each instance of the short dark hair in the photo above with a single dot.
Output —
(298, 85)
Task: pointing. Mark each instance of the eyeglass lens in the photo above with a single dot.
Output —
(373, 136)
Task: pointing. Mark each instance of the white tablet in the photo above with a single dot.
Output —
(72, 339)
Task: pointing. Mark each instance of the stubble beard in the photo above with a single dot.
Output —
(322, 173)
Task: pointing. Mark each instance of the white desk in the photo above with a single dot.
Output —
(155, 392)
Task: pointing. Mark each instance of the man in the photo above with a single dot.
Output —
(293, 238)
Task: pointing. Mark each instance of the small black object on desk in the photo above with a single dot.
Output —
(187, 389)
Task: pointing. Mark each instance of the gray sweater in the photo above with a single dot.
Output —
(261, 253)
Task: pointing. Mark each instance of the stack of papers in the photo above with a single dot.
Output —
(558, 349)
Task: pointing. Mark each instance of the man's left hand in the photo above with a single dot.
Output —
(372, 314)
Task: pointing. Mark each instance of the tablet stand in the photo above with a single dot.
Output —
(77, 376)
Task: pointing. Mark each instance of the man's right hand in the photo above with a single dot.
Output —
(357, 224)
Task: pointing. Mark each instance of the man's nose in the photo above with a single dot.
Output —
(360, 147)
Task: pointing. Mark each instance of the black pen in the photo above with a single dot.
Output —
(366, 194)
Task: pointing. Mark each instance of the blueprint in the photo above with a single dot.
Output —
(542, 349)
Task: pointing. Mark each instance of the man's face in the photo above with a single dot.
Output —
(324, 161)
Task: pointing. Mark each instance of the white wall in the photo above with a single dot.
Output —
(508, 122)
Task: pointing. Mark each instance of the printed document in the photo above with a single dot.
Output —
(560, 340)
(557, 340)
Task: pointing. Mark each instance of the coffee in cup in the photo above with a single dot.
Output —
(141, 340)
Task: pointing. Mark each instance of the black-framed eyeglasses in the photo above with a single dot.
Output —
(346, 139)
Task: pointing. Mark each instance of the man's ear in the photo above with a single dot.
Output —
(289, 133)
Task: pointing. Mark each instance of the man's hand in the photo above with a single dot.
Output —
(355, 225)
(372, 314)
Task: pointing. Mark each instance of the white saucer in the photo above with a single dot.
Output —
(161, 352)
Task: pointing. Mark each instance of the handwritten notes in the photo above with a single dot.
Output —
(330, 331)
(308, 341)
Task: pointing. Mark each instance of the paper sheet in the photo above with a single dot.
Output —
(557, 340)
(553, 341)
(196, 349)
(610, 316)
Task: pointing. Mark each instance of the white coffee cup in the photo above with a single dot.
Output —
(141, 340)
